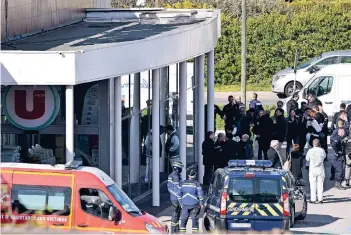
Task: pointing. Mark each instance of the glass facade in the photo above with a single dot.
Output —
(137, 173)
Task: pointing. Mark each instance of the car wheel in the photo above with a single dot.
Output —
(289, 88)
(292, 217)
(206, 225)
(304, 212)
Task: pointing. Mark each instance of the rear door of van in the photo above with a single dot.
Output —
(43, 198)
(255, 203)
(268, 204)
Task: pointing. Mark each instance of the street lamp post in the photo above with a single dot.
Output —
(243, 52)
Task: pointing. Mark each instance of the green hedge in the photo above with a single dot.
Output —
(312, 27)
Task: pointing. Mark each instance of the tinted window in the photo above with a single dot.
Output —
(240, 188)
(254, 190)
(325, 86)
(307, 63)
(328, 61)
(346, 59)
(268, 187)
(321, 86)
(47, 199)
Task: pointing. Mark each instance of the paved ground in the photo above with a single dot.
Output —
(266, 97)
(332, 217)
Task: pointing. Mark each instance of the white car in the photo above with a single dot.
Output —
(332, 86)
(283, 81)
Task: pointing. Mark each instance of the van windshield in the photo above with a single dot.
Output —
(305, 64)
(122, 199)
(254, 190)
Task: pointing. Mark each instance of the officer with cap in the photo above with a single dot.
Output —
(190, 196)
(173, 186)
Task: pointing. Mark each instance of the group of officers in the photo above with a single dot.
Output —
(187, 195)
(187, 198)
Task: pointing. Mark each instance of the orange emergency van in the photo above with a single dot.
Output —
(70, 197)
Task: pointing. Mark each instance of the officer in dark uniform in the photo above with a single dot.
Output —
(338, 141)
(190, 196)
(173, 186)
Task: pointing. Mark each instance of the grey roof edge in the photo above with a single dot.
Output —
(338, 52)
(167, 34)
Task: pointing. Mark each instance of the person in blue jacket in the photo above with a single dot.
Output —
(173, 186)
(255, 104)
(190, 196)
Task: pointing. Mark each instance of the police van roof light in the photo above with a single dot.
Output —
(251, 163)
(74, 164)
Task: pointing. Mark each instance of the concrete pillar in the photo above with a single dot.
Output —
(156, 137)
(182, 113)
(195, 107)
(210, 91)
(104, 127)
(111, 96)
(134, 140)
(118, 132)
(200, 118)
(69, 123)
(163, 98)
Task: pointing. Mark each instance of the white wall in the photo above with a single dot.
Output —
(35, 68)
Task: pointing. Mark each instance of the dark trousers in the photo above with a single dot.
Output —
(208, 174)
(228, 126)
(302, 143)
(175, 217)
(194, 212)
(289, 141)
(339, 166)
(263, 146)
(332, 171)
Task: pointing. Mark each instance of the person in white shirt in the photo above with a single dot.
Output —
(315, 156)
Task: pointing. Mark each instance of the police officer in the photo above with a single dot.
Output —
(190, 196)
(173, 186)
(338, 141)
(172, 144)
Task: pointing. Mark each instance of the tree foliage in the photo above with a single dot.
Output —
(273, 37)
(275, 29)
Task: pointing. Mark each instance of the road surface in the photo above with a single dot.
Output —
(332, 217)
(266, 97)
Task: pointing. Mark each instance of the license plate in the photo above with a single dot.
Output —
(240, 225)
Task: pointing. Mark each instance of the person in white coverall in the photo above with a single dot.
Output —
(316, 156)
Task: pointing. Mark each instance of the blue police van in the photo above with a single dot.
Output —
(250, 195)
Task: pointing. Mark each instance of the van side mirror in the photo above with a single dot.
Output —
(210, 189)
(114, 214)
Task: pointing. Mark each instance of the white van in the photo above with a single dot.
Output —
(332, 85)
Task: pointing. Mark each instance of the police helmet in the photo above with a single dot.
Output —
(177, 164)
(192, 174)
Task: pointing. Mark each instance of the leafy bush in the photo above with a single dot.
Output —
(275, 29)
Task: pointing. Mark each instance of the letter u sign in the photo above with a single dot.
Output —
(31, 108)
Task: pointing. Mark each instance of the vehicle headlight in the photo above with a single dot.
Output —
(278, 77)
(151, 229)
